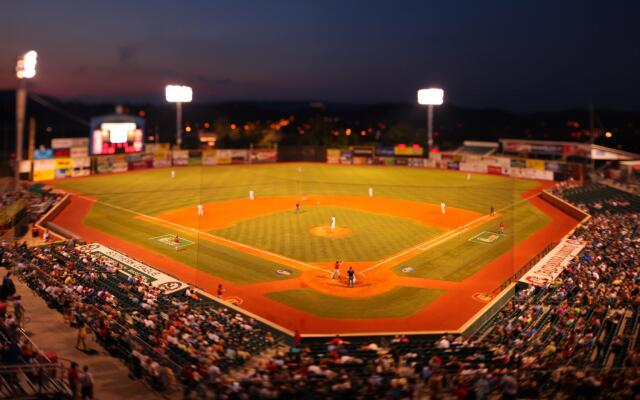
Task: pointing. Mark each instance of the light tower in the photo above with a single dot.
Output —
(25, 69)
(430, 97)
(178, 94)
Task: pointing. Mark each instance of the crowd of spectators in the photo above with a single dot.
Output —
(164, 337)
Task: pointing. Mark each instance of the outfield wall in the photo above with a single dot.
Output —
(412, 156)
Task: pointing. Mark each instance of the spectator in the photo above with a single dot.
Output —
(86, 384)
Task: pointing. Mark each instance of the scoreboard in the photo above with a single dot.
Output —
(116, 134)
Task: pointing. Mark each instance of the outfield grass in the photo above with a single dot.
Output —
(396, 303)
(459, 258)
(374, 236)
(153, 192)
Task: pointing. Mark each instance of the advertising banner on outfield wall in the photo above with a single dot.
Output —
(473, 167)
(239, 156)
(264, 156)
(529, 173)
(43, 170)
(403, 150)
(494, 169)
(535, 164)
(130, 266)
(333, 156)
(345, 157)
(385, 151)
(360, 160)
(551, 265)
(108, 164)
(180, 157)
(81, 166)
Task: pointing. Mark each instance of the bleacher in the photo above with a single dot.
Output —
(599, 198)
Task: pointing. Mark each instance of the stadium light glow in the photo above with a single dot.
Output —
(432, 96)
(178, 94)
(26, 66)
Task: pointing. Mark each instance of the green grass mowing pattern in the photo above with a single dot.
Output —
(374, 236)
(153, 191)
(210, 258)
(399, 302)
(458, 258)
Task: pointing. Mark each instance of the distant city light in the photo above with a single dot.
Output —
(432, 96)
(178, 94)
(26, 67)
(608, 134)
(187, 129)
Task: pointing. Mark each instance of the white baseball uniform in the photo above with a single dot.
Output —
(333, 223)
(200, 210)
(173, 173)
(370, 192)
(442, 207)
(251, 195)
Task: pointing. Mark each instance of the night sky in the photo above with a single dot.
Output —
(517, 55)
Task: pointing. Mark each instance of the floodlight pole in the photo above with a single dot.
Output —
(179, 124)
(429, 127)
(21, 109)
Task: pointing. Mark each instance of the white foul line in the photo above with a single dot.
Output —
(445, 236)
(206, 234)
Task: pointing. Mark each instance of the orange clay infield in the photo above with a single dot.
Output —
(459, 302)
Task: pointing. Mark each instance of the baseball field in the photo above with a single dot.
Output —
(417, 268)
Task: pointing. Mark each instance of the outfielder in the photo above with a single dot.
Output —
(173, 173)
(200, 210)
(370, 192)
(251, 195)
(443, 207)
(333, 223)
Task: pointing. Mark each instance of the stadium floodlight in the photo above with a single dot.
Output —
(430, 97)
(25, 69)
(26, 66)
(178, 94)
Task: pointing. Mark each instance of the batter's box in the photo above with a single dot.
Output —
(170, 240)
(486, 237)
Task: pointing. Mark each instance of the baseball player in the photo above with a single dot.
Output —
(200, 210)
(297, 208)
(443, 207)
(468, 176)
(251, 195)
(370, 192)
(173, 173)
(333, 224)
(492, 212)
(336, 270)
(501, 228)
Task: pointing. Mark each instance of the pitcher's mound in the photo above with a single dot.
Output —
(325, 231)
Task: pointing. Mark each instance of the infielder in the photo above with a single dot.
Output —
(370, 192)
(251, 195)
(443, 207)
(200, 210)
(333, 224)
